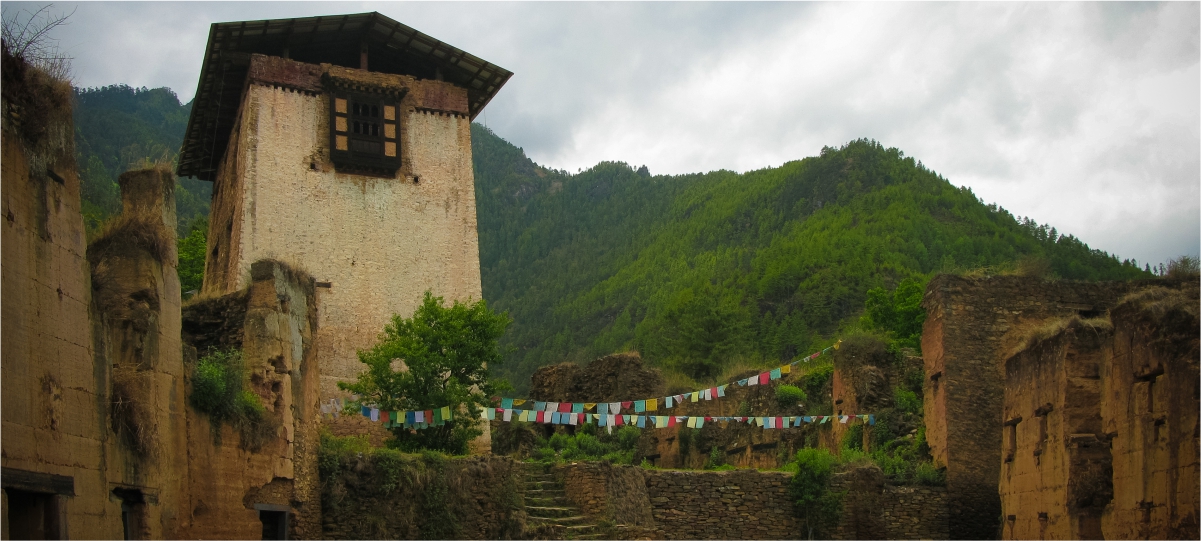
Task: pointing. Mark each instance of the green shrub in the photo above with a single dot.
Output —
(788, 395)
(816, 506)
(853, 437)
(717, 458)
(907, 401)
(927, 474)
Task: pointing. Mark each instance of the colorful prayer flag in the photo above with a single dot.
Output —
(764, 378)
(721, 391)
(786, 369)
(602, 409)
(565, 407)
(639, 406)
(446, 414)
(652, 404)
(506, 403)
(776, 374)
(577, 408)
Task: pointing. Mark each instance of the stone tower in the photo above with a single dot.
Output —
(341, 145)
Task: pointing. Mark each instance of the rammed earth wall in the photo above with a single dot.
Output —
(971, 325)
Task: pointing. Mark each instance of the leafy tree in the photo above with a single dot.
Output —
(191, 256)
(438, 357)
(898, 313)
(817, 507)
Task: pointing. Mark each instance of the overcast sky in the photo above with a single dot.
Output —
(1086, 116)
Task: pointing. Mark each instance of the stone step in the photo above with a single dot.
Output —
(548, 502)
(542, 486)
(573, 523)
(541, 511)
(544, 491)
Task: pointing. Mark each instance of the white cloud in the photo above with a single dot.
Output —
(1085, 116)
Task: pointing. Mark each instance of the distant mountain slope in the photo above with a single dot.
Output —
(696, 270)
(118, 127)
(691, 270)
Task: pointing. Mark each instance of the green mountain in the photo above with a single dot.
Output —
(696, 272)
(117, 128)
(699, 271)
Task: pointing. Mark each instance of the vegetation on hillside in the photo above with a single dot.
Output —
(698, 271)
(118, 128)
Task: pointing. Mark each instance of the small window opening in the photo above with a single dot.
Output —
(133, 512)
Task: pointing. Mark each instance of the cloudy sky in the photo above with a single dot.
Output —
(1086, 116)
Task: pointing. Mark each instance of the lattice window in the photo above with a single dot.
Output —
(365, 134)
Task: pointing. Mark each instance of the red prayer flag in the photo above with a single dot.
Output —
(626, 405)
(618, 420)
(564, 407)
(429, 416)
(764, 378)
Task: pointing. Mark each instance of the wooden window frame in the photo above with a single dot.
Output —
(375, 148)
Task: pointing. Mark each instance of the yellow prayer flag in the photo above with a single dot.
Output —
(518, 401)
(695, 396)
(652, 404)
(786, 369)
(589, 405)
(446, 416)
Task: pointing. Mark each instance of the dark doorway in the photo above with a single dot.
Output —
(275, 524)
(33, 515)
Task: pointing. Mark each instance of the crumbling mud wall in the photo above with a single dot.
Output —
(1149, 411)
(136, 327)
(232, 480)
(55, 406)
(606, 491)
(971, 324)
(1056, 472)
(622, 377)
(391, 495)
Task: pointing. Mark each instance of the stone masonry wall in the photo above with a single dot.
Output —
(389, 495)
(872, 509)
(746, 504)
(971, 325)
(603, 490)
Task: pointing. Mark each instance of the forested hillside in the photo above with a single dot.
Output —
(117, 128)
(697, 271)
(694, 271)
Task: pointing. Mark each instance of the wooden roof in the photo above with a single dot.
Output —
(392, 48)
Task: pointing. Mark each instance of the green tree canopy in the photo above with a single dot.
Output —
(439, 357)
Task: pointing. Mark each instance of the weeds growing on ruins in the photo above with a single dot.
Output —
(219, 389)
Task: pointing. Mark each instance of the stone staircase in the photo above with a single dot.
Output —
(546, 504)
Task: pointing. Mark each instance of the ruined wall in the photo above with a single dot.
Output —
(971, 324)
(136, 324)
(622, 377)
(873, 509)
(273, 322)
(379, 243)
(390, 495)
(55, 407)
(1150, 413)
(1056, 468)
